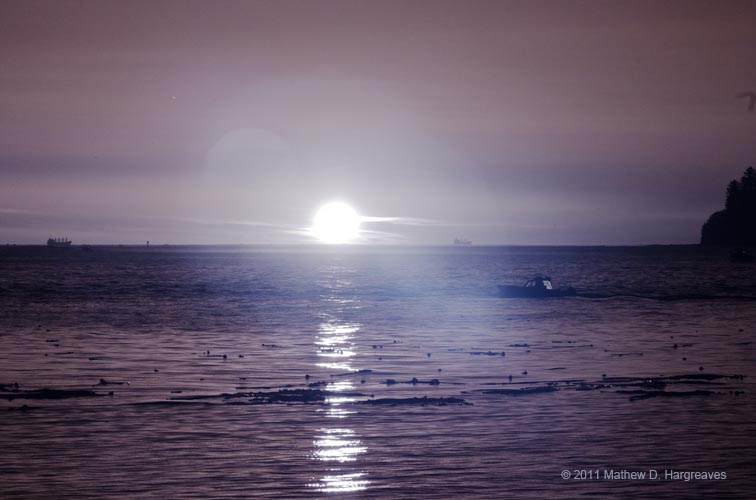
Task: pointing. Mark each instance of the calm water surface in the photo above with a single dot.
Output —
(170, 330)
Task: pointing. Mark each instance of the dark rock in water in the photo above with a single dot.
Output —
(523, 391)
(23, 408)
(107, 382)
(245, 387)
(290, 396)
(358, 372)
(653, 384)
(424, 401)
(281, 396)
(591, 387)
(414, 381)
(649, 383)
(665, 394)
(704, 376)
(51, 394)
(317, 396)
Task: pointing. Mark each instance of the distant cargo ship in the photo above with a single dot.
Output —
(58, 242)
(462, 241)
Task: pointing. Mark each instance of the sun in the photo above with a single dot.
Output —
(336, 222)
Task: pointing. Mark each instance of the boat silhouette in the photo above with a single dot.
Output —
(58, 242)
(538, 287)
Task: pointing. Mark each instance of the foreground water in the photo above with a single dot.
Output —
(300, 373)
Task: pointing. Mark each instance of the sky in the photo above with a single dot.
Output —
(503, 122)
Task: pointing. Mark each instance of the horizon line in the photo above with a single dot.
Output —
(360, 245)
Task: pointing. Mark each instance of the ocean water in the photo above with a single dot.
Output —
(300, 372)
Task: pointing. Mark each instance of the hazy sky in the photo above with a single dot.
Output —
(503, 122)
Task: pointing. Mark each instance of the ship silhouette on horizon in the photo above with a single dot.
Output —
(58, 242)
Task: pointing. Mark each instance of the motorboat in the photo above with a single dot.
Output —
(538, 287)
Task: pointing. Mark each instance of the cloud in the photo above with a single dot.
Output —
(214, 222)
(405, 221)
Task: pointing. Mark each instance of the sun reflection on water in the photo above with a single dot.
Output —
(339, 446)
(335, 344)
(342, 482)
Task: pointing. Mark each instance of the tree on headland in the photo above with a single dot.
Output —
(736, 224)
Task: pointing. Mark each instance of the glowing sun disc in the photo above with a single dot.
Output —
(336, 222)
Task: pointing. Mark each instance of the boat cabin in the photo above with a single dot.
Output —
(541, 282)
